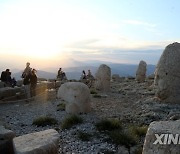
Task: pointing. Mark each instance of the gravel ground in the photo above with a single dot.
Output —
(129, 101)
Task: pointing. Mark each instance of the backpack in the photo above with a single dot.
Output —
(23, 75)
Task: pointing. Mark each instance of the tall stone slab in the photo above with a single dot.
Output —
(141, 71)
(103, 78)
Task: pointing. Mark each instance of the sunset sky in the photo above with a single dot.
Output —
(47, 32)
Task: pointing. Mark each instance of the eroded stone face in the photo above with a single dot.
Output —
(141, 71)
(167, 74)
(77, 96)
(103, 77)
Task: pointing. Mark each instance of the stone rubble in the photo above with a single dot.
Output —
(129, 101)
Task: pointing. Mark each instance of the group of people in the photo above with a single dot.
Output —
(89, 76)
(7, 79)
(29, 80)
(61, 75)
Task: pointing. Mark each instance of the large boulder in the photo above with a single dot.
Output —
(159, 138)
(43, 142)
(141, 71)
(167, 74)
(9, 93)
(103, 78)
(77, 96)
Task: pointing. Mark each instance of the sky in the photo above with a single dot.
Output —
(51, 32)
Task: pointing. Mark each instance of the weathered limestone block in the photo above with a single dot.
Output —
(77, 96)
(6, 141)
(141, 71)
(167, 74)
(163, 143)
(103, 77)
(8, 92)
(43, 142)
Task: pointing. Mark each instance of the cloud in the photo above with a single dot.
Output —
(139, 23)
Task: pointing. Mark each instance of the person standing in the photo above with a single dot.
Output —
(26, 83)
(83, 76)
(33, 83)
(26, 70)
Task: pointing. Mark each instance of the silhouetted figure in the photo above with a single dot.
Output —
(83, 76)
(33, 82)
(6, 77)
(26, 83)
(3, 76)
(61, 75)
(90, 76)
(26, 70)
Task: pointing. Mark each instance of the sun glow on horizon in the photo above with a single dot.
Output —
(51, 30)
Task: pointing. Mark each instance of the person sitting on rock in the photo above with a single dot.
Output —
(90, 76)
(60, 72)
(64, 76)
(83, 76)
(3, 76)
(6, 77)
(61, 75)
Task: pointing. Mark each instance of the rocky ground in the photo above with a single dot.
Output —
(131, 102)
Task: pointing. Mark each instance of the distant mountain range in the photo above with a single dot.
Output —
(123, 70)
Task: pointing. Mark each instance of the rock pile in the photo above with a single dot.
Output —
(167, 74)
(103, 77)
(77, 96)
(141, 71)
